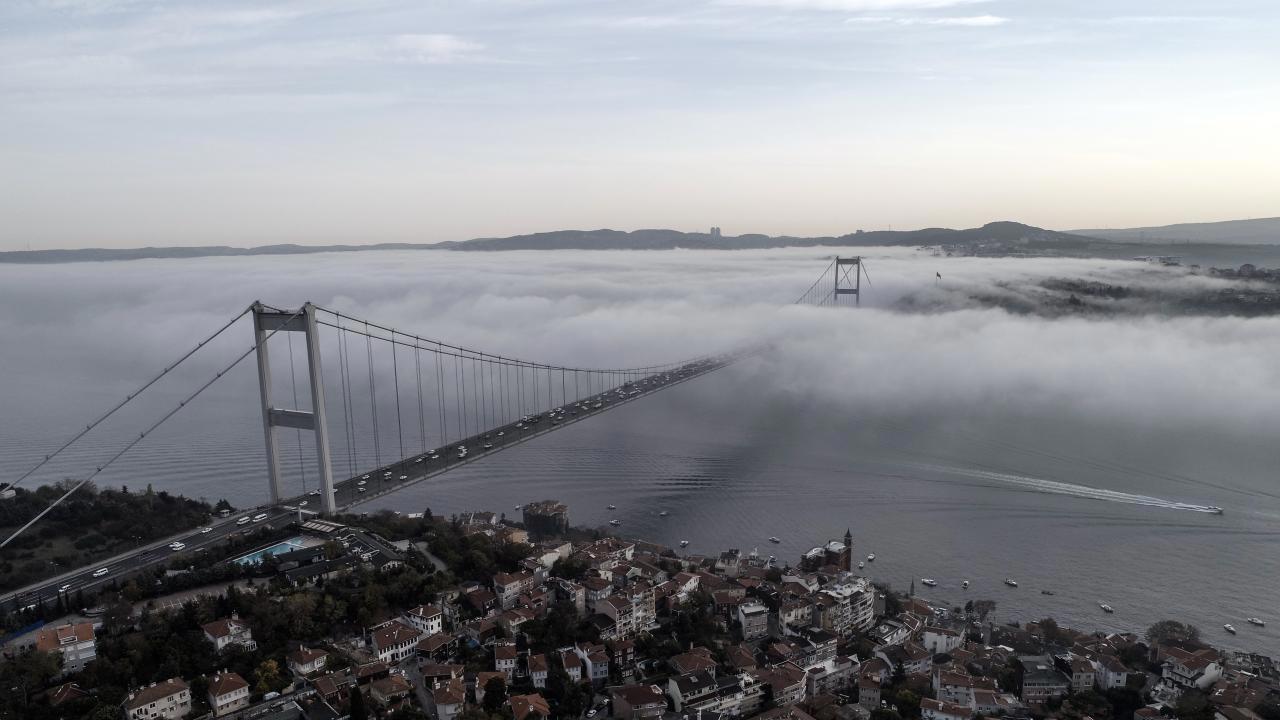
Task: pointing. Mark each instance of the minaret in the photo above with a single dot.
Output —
(848, 548)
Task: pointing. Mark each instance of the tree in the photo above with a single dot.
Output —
(983, 608)
(357, 711)
(1194, 705)
(1052, 633)
(495, 694)
(907, 703)
(885, 714)
(267, 676)
(1172, 631)
(766, 697)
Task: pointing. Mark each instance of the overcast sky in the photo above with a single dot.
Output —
(131, 122)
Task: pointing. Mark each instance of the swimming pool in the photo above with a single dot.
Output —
(285, 546)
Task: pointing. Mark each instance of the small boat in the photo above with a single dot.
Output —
(611, 507)
(1215, 510)
(1011, 583)
(861, 564)
(517, 507)
(772, 559)
(684, 543)
(774, 540)
(965, 584)
(1256, 621)
(1229, 628)
(929, 581)
(662, 514)
(615, 523)
(1046, 592)
(871, 557)
(1106, 608)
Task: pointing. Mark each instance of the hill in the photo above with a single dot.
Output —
(1010, 233)
(1260, 231)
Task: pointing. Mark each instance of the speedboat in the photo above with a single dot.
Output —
(871, 557)
(929, 581)
(662, 514)
(1256, 621)
(611, 507)
(1010, 583)
(965, 584)
(1106, 608)
(774, 540)
(1229, 628)
(615, 523)
(861, 564)
(684, 543)
(517, 507)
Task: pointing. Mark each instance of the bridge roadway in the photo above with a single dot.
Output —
(363, 488)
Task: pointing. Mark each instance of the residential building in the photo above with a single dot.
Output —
(229, 631)
(504, 660)
(428, 619)
(75, 642)
(940, 640)
(638, 702)
(538, 670)
(228, 692)
(390, 692)
(753, 616)
(394, 641)
(170, 700)
(449, 696)
(306, 661)
(869, 693)
(1041, 681)
(931, 709)
(529, 707)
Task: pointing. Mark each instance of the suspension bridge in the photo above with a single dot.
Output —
(450, 406)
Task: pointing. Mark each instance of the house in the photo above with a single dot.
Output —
(940, 640)
(305, 661)
(1041, 681)
(428, 619)
(508, 586)
(64, 693)
(638, 702)
(753, 616)
(75, 642)
(1185, 670)
(504, 659)
(734, 695)
(788, 682)
(595, 663)
(953, 687)
(394, 641)
(228, 692)
(538, 670)
(229, 631)
(931, 709)
(390, 692)
(529, 707)
(1079, 670)
(829, 676)
(869, 693)
(333, 687)
(1110, 673)
(438, 648)
(572, 666)
(170, 700)
(449, 697)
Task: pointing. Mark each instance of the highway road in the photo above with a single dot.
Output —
(353, 491)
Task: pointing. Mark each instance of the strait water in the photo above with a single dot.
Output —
(1072, 457)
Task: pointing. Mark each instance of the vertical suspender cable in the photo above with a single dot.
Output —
(422, 416)
(395, 374)
(373, 397)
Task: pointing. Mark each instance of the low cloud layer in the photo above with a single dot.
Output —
(78, 336)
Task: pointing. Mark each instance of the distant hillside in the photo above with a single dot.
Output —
(1002, 232)
(1262, 231)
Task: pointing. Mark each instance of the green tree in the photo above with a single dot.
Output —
(885, 714)
(267, 676)
(357, 710)
(495, 694)
(1172, 631)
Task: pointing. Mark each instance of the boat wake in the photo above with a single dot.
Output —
(1055, 487)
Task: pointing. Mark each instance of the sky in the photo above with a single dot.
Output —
(139, 122)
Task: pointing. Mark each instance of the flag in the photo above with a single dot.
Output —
(939, 276)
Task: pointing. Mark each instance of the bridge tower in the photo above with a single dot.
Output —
(843, 284)
(266, 321)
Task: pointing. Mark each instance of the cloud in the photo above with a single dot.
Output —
(436, 48)
(970, 21)
(853, 5)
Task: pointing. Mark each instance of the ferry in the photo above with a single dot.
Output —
(684, 543)
(1256, 621)
(871, 557)
(1011, 583)
(774, 540)
(1106, 608)
(929, 581)
(1229, 628)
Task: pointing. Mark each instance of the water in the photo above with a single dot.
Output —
(1077, 457)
